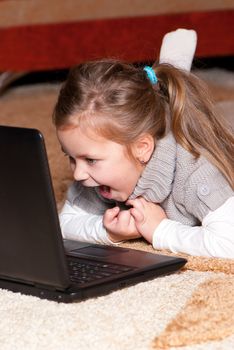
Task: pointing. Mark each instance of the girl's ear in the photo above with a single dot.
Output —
(143, 148)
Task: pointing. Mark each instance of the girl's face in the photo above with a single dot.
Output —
(98, 162)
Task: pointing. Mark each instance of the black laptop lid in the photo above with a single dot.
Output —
(31, 247)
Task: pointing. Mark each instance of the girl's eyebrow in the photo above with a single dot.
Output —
(91, 156)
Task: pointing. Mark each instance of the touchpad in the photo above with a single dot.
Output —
(98, 251)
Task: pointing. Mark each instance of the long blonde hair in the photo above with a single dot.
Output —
(118, 101)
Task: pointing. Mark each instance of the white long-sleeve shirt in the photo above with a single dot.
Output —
(215, 236)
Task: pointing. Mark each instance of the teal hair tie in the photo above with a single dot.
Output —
(151, 74)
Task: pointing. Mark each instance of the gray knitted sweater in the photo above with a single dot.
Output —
(187, 188)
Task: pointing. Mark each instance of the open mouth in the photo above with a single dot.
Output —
(105, 191)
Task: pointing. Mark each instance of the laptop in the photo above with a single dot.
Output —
(34, 258)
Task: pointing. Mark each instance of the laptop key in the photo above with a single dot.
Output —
(87, 271)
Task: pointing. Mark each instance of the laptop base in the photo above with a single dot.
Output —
(71, 295)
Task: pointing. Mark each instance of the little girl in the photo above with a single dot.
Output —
(149, 156)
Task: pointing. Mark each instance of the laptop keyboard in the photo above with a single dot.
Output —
(84, 271)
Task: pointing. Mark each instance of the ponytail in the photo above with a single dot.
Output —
(193, 121)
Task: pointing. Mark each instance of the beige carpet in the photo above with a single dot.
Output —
(192, 309)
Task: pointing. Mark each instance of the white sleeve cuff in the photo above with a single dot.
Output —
(79, 225)
(165, 227)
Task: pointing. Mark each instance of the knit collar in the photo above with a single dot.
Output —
(155, 183)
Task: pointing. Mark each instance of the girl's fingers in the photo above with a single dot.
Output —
(137, 214)
(138, 203)
(124, 217)
(110, 215)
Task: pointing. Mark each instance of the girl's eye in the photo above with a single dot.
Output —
(71, 160)
(90, 161)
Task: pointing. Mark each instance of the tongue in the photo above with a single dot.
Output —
(105, 188)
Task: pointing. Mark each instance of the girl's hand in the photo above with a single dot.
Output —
(120, 225)
(147, 216)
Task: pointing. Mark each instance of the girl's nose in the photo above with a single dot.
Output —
(80, 174)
